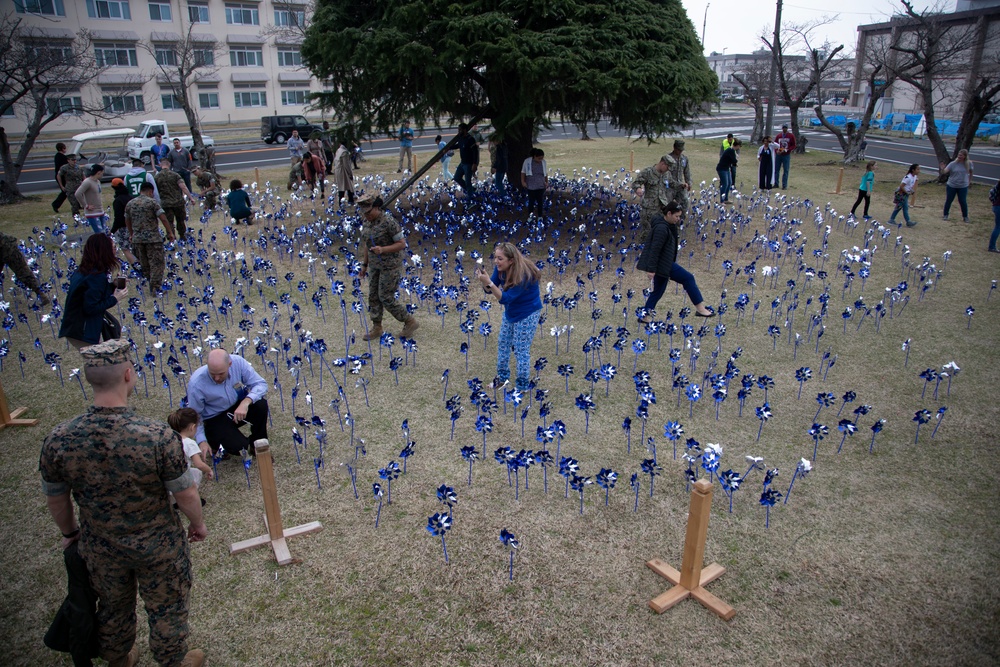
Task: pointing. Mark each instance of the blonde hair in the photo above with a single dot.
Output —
(522, 271)
(871, 165)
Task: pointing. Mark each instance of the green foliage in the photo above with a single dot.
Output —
(515, 62)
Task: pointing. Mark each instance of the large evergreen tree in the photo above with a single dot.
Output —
(636, 62)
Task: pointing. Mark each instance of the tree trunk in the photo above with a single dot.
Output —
(793, 109)
(9, 192)
(758, 122)
(518, 137)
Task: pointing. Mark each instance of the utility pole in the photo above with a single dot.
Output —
(703, 24)
(775, 45)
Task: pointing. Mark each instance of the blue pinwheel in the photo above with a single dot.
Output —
(565, 370)
(802, 375)
(448, 497)
(730, 481)
(848, 397)
(768, 498)
(510, 542)
(969, 312)
(710, 458)
(579, 483)
(627, 427)
(567, 468)
(377, 491)
(439, 524)
(921, 417)
(470, 454)
(484, 425)
(651, 468)
(559, 428)
(606, 479)
(672, 431)
(638, 346)
(607, 373)
(693, 393)
(586, 403)
(389, 473)
(817, 432)
(634, 482)
(847, 427)
(765, 382)
(544, 459)
(929, 375)
(407, 451)
(876, 429)
(763, 414)
(940, 418)
(825, 400)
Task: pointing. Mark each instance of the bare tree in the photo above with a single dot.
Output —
(753, 80)
(183, 60)
(879, 77)
(799, 77)
(930, 51)
(40, 81)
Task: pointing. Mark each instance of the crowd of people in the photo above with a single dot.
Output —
(135, 540)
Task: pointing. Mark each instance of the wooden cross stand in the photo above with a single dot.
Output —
(691, 580)
(8, 418)
(275, 535)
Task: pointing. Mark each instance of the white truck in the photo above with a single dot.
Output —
(139, 145)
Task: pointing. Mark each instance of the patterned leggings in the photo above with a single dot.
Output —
(519, 336)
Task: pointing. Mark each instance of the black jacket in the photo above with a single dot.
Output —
(74, 629)
(122, 197)
(88, 297)
(660, 252)
(728, 160)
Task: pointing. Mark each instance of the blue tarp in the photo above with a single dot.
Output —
(908, 123)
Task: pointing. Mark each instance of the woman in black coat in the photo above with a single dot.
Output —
(91, 292)
(658, 259)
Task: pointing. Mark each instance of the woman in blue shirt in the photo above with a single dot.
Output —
(865, 189)
(239, 202)
(515, 285)
(91, 292)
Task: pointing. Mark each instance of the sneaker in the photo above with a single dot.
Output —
(194, 658)
(911, 223)
(945, 218)
(965, 220)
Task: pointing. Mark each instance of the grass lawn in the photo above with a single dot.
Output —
(881, 558)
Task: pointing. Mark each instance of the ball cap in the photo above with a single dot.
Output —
(108, 353)
(370, 199)
(679, 143)
(115, 182)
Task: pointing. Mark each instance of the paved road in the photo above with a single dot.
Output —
(37, 175)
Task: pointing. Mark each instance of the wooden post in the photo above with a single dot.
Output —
(8, 418)
(692, 578)
(840, 182)
(256, 176)
(631, 161)
(413, 166)
(276, 535)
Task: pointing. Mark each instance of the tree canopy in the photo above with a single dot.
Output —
(638, 63)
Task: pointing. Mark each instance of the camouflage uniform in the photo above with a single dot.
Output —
(172, 199)
(147, 244)
(119, 467)
(10, 255)
(385, 270)
(206, 182)
(72, 177)
(679, 174)
(655, 195)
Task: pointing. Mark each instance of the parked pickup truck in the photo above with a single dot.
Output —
(139, 145)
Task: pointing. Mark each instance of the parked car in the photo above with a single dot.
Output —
(139, 145)
(116, 162)
(277, 129)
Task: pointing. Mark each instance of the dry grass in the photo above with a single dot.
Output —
(882, 559)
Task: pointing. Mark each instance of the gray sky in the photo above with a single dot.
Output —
(735, 25)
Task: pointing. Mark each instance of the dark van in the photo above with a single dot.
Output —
(277, 129)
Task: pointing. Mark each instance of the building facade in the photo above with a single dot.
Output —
(250, 48)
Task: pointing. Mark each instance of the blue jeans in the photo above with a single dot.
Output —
(463, 176)
(950, 197)
(445, 174)
(784, 162)
(678, 275)
(96, 222)
(516, 335)
(725, 183)
(904, 207)
(996, 228)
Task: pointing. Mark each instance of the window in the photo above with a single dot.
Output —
(291, 98)
(108, 9)
(289, 18)
(242, 14)
(197, 12)
(170, 102)
(251, 98)
(289, 57)
(165, 55)
(246, 56)
(209, 100)
(116, 55)
(42, 7)
(69, 105)
(123, 103)
(8, 111)
(53, 55)
(203, 57)
(160, 11)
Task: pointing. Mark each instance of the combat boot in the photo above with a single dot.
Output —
(409, 326)
(127, 660)
(374, 333)
(194, 658)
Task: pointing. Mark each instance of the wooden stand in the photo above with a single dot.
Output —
(692, 579)
(8, 418)
(840, 182)
(275, 535)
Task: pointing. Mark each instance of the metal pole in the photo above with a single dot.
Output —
(703, 24)
(769, 122)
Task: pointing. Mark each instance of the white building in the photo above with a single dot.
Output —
(258, 63)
